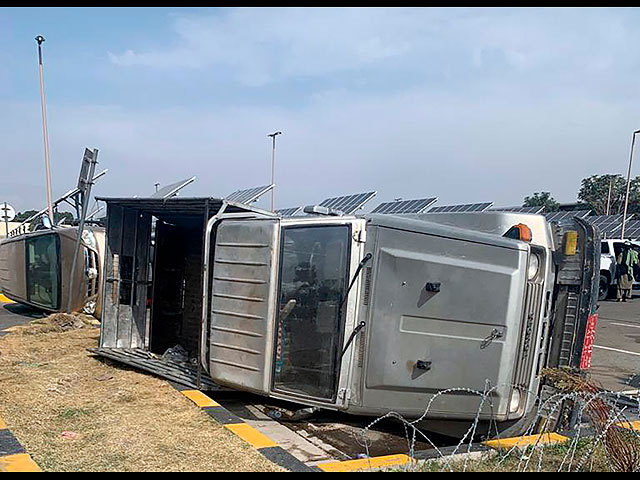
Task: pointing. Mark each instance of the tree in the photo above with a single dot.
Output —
(542, 199)
(22, 216)
(595, 189)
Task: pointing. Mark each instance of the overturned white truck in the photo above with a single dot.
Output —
(362, 314)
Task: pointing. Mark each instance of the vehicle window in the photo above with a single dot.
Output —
(604, 248)
(43, 271)
(313, 279)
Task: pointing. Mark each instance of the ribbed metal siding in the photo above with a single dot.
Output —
(529, 338)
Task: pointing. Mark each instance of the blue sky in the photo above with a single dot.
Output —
(466, 104)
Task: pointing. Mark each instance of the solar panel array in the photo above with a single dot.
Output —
(608, 224)
(468, 207)
(172, 189)
(348, 204)
(288, 212)
(534, 210)
(404, 207)
(249, 195)
(560, 216)
(632, 230)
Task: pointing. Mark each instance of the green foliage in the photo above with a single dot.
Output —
(595, 192)
(542, 199)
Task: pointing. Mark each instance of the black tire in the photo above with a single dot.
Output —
(603, 293)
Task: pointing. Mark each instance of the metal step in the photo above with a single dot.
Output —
(180, 373)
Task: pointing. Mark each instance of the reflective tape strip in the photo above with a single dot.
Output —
(528, 440)
(20, 462)
(365, 463)
(200, 399)
(250, 435)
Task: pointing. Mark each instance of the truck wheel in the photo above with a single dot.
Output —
(604, 288)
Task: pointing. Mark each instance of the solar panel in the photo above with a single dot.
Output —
(172, 189)
(405, 206)
(632, 230)
(249, 195)
(348, 204)
(607, 224)
(288, 212)
(560, 216)
(468, 207)
(534, 210)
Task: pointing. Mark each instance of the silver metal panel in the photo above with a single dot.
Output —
(250, 195)
(242, 299)
(405, 206)
(348, 204)
(449, 328)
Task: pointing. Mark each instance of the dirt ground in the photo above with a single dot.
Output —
(74, 412)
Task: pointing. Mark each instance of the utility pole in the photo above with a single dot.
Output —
(626, 201)
(45, 129)
(273, 169)
(609, 197)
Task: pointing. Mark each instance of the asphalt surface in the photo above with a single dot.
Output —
(616, 355)
(14, 314)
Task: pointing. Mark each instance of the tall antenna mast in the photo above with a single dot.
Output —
(45, 130)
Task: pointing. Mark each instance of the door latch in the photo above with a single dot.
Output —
(423, 365)
(494, 335)
(433, 287)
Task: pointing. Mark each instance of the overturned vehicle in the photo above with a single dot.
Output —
(35, 269)
(362, 314)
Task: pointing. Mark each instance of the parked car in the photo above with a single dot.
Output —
(610, 249)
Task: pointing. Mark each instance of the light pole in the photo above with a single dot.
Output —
(273, 169)
(45, 129)
(626, 201)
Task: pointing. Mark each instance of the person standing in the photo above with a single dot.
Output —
(626, 261)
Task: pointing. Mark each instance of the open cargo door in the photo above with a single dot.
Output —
(242, 303)
(446, 312)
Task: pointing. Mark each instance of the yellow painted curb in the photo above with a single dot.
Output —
(250, 435)
(3, 425)
(365, 463)
(630, 425)
(4, 299)
(20, 462)
(528, 440)
(199, 398)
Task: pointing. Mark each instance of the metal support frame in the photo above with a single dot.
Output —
(84, 196)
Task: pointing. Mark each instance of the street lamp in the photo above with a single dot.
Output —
(626, 201)
(45, 129)
(273, 169)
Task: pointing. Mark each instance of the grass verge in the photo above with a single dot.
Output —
(73, 412)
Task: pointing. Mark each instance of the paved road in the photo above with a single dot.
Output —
(616, 356)
(12, 314)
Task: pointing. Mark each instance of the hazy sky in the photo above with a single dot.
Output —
(468, 105)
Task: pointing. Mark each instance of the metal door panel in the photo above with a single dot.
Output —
(242, 299)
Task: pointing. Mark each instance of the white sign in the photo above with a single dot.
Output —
(7, 212)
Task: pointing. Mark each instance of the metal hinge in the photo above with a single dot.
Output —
(344, 394)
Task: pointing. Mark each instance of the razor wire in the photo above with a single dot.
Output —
(530, 455)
